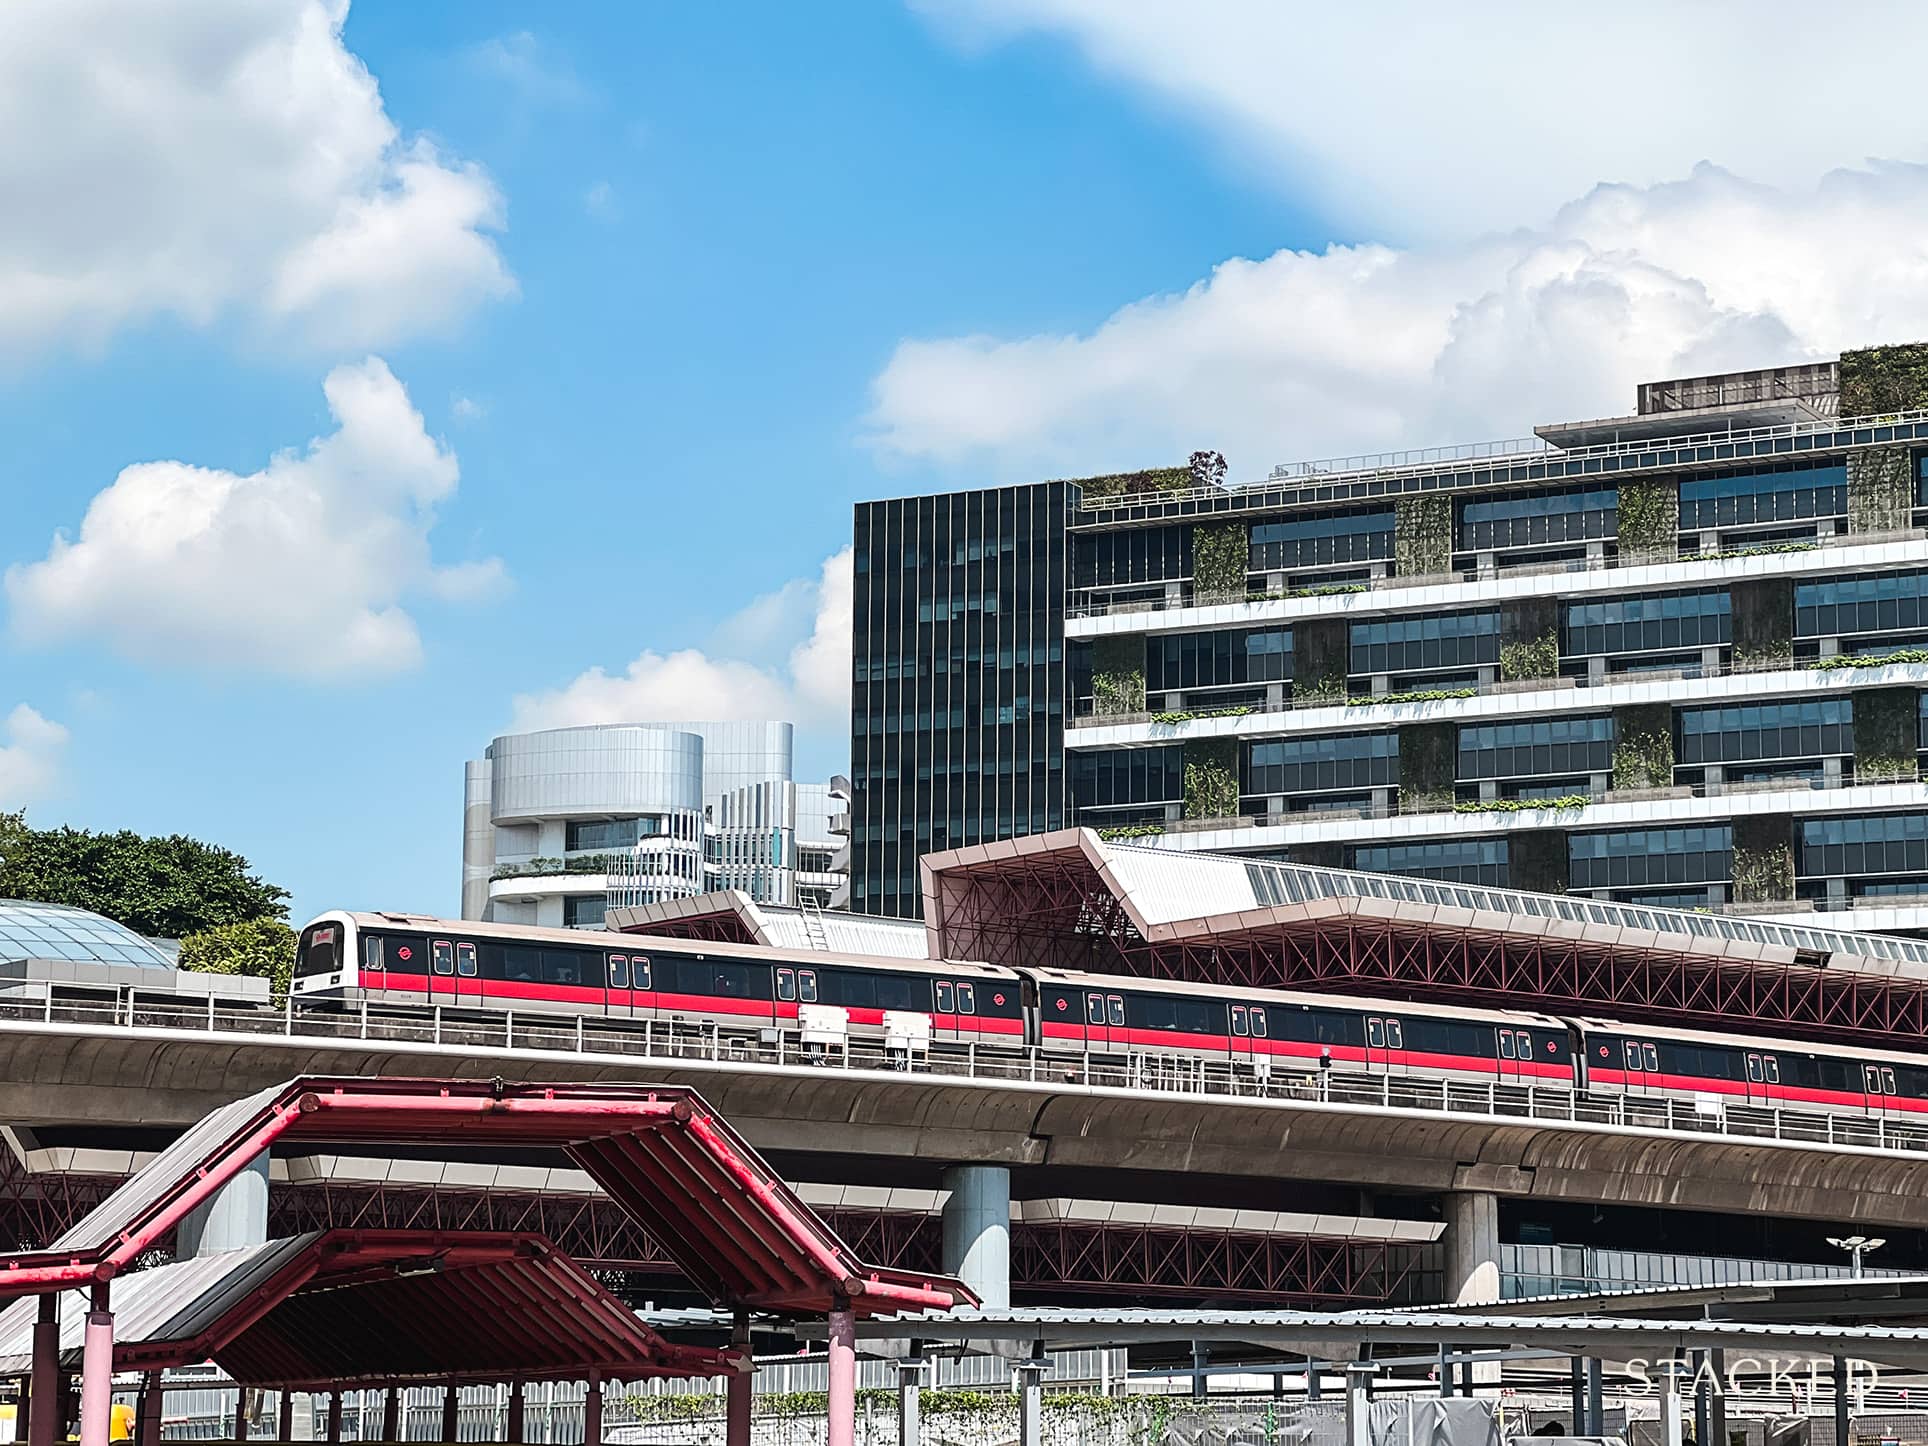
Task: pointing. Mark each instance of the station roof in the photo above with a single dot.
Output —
(1345, 1335)
(742, 1236)
(32, 931)
(1167, 895)
(344, 1306)
(731, 916)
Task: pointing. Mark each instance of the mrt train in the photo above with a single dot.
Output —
(401, 960)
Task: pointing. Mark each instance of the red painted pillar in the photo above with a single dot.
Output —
(843, 1376)
(451, 1413)
(287, 1415)
(742, 1387)
(334, 1417)
(97, 1372)
(592, 1413)
(47, 1406)
(392, 1414)
(515, 1433)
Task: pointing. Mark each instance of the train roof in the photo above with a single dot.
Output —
(783, 926)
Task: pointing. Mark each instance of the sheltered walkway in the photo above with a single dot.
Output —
(319, 1311)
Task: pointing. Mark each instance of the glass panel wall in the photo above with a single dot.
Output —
(1458, 861)
(1539, 519)
(1230, 658)
(1629, 863)
(1342, 763)
(1747, 499)
(1427, 643)
(1127, 785)
(1331, 540)
(1628, 629)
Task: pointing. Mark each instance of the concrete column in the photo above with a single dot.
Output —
(232, 1217)
(334, 1418)
(97, 1372)
(1473, 1247)
(1031, 1401)
(1359, 1376)
(46, 1401)
(1596, 1401)
(517, 1428)
(392, 1413)
(842, 1402)
(977, 1231)
(910, 1391)
(452, 1418)
(592, 1404)
(1578, 1400)
(1670, 1434)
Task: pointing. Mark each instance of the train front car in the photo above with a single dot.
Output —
(325, 967)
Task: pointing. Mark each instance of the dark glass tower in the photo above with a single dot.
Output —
(958, 679)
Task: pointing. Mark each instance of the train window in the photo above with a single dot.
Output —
(1650, 1056)
(443, 953)
(897, 992)
(1754, 1068)
(1506, 1044)
(1094, 1009)
(1117, 1004)
(787, 986)
(1238, 1020)
(619, 971)
(1871, 1079)
(371, 949)
(946, 1004)
(1258, 1021)
(1773, 1068)
(1376, 1033)
(1632, 1052)
(807, 985)
(521, 965)
(967, 999)
(1887, 1080)
(1524, 1042)
(465, 960)
(562, 966)
(1395, 1037)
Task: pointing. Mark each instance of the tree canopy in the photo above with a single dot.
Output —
(165, 888)
(264, 948)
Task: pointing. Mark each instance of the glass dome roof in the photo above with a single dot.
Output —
(55, 931)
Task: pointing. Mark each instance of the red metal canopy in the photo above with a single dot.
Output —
(734, 1227)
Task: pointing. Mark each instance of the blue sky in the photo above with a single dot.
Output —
(672, 286)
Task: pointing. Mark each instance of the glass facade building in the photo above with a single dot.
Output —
(1667, 657)
(959, 677)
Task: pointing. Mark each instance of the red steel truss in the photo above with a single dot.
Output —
(1051, 908)
(1048, 1258)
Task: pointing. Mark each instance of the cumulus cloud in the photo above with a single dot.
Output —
(298, 569)
(222, 157)
(811, 687)
(30, 751)
(1368, 347)
(1409, 117)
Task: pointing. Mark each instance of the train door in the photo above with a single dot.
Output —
(1514, 1048)
(1641, 1060)
(441, 971)
(618, 998)
(1385, 1044)
(1098, 1027)
(1763, 1072)
(1243, 1028)
(1878, 1086)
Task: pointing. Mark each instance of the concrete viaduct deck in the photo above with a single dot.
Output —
(1417, 1135)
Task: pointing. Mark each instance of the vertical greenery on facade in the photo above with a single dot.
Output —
(1880, 381)
(1763, 621)
(1530, 639)
(1885, 726)
(1649, 519)
(1422, 538)
(1097, 491)
(1211, 777)
(1321, 652)
(1763, 858)
(1428, 766)
(1643, 746)
(1536, 860)
(1220, 555)
(1117, 676)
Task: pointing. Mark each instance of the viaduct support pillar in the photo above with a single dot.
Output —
(1473, 1247)
(46, 1404)
(842, 1401)
(232, 1217)
(97, 1372)
(977, 1231)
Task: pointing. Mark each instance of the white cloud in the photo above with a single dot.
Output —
(537, 75)
(1364, 348)
(30, 752)
(467, 409)
(811, 688)
(1409, 116)
(600, 201)
(298, 569)
(210, 158)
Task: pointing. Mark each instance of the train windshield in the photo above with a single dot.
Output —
(320, 950)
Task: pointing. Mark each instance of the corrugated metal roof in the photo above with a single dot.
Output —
(778, 926)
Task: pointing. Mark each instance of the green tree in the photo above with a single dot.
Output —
(262, 948)
(166, 888)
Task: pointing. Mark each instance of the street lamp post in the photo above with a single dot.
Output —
(1857, 1246)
